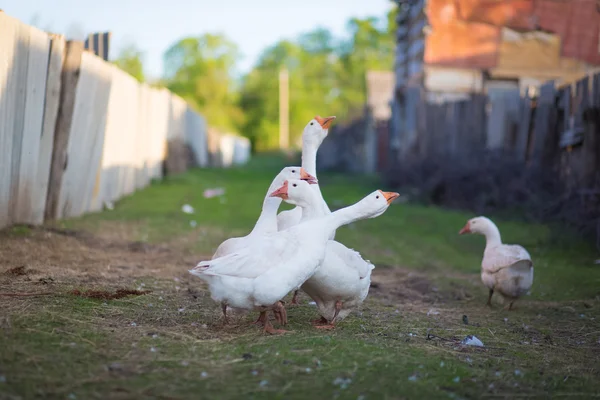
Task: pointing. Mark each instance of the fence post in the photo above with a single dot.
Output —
(545, 137)
(524, 125)
(591, 134)
(52, 102)
(69, 78)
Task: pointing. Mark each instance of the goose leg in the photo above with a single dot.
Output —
(331, 325)
(320, 321)
(338, 307)
(295, 298)
(280, 313)
(269, 328)
(510, 306)
(489, 302)
(224, 308)
(261, 319)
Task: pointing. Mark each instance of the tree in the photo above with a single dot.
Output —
(327, 77)
(370, 47)
(312, 80)
(130, 60)
(201, 70)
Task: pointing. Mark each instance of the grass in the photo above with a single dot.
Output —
(403, 343)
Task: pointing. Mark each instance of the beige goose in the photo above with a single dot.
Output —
(505, 268)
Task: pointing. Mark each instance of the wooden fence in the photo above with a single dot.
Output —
(76, 131)
(557, 128)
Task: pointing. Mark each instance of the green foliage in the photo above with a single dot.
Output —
(201, 70)
(130, 60)
(326, 77)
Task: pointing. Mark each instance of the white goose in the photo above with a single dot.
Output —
(258, 276)
(505, 268)
(312, 136)
(314, 133)
(267, 221)
(342, 281)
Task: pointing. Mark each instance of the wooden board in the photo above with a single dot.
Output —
(52, 102)
(9, 29)
(121, 126)
(524, 124)
(177, 118)
(195, 135)
(20, 66)
(590, 111)
(544, 131)
(86, 137)
(69, 83)
(504, 109)
(27, 208)
(159, 129)
(96, 123)
(141, 141)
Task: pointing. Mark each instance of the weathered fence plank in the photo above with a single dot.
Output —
(69, 77)
(157, 140)
(52, 102)
(33, 117)
(121, 121)
(595, 100)
(545, 133)
(591, 133)
(523, 129)
(20, 68)
(9, 29)
(71, 140)
(86, 137)
(141, 142)
(495, 128)
(195, 133)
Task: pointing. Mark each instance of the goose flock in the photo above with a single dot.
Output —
(296, 250)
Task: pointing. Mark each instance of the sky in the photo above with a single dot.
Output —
(153, 26)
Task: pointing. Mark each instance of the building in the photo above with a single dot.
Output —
(451, 49)
(470, 46)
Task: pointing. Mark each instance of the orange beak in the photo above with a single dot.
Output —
(324, 122)
(465, 229)
(390, 196)
(281, 192)
(305, 176)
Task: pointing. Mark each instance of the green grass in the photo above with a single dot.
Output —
(412, 236)
(171, 344)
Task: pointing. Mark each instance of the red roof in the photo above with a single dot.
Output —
(514, 13)
(577, 22)
(458, 43)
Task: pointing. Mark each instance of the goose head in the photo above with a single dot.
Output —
(375, 204)
(292, 173)
(316, 130)
(480, 225)
(296, 192)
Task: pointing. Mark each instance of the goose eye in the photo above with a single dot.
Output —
(295, 185)
(377, 196)
(293, 171)
(312, 123)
